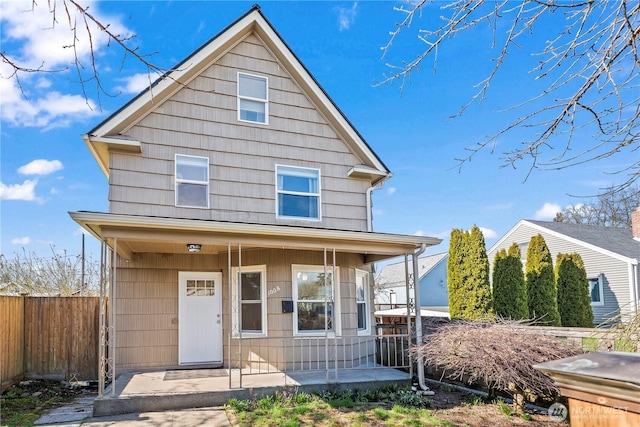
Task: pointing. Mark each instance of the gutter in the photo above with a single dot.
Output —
(368, 196)
(416, 290)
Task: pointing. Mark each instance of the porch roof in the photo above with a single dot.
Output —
(139, 234)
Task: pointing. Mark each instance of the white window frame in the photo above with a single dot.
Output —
(235, 286)
(295, 269)
(366, 303)
(264, 100)
(599, 280)
(317, 195)
(178, 180)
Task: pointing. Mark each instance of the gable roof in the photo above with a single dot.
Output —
(613, 241)
(111, 133)
(394, 274)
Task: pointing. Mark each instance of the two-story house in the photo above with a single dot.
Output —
(239, 218)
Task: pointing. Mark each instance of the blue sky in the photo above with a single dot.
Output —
(47, 171)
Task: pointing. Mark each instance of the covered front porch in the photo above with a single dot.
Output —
(310, 324)
(179, 389)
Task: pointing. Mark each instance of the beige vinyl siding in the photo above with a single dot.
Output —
(201, 120)
(615, 271)
(147, 303)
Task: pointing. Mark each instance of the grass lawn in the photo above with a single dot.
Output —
(383, 407)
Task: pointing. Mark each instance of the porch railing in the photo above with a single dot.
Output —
(286, 354)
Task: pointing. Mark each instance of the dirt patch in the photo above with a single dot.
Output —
(23, 403)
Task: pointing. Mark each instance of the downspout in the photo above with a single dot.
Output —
(634, 285)
(370, 203)
(416, 290)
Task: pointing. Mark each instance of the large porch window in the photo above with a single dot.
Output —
(315, 299)
(253, 297)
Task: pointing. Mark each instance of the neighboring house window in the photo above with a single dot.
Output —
(314, 300)
(192, 181)
(253, 105)
(595, 289)
(253, 300)
(362, 301)
(297, 192)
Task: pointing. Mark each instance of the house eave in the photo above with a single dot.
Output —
(100, 147)
(175, 233)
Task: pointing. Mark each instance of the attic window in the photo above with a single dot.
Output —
(253, 103)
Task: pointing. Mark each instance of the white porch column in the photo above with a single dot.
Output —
(112, 315)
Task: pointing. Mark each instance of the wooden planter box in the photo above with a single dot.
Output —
(603, 389)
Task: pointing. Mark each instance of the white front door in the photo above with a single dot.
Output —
(199, 317)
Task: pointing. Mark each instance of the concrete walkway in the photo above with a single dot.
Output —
(79, 413)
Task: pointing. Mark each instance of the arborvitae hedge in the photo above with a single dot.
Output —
(509, 289)
(455, 278)
(542, 293)
(574, 300)
(468, 276)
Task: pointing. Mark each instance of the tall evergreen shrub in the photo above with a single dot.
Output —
(509, 289)
(574, 300)
(468, 265)
(542, 293)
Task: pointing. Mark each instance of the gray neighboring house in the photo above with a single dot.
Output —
(610, 256)
(391, 287)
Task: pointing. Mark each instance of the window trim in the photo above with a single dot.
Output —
(600, 279)
(367, 303)
(188, 181)
(235, 324)
(337, 328)
(265, 101)
(318, 195)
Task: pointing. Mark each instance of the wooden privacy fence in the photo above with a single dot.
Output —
(48, 337)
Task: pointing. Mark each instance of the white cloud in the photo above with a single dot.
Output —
(136, 83)
(391, 191)
(31, 40)
(41, 167)
(419, 233)
(21, 241)
(488, 233)
(346, 16)
(24, 191)
(548, 211)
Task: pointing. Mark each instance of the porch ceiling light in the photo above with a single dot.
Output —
(194, 247)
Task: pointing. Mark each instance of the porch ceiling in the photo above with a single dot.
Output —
(139, 234)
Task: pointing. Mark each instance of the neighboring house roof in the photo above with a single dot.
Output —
(394, 274)
(111, 134)
(613, 241)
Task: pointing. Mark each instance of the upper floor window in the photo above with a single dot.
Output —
(253, 102)
(298, 192)
(595, 289)
(192, 181)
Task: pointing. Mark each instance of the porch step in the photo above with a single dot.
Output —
(145, 393)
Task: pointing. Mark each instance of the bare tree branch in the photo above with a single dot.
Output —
(589, 109)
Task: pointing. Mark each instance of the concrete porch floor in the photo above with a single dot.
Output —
(163, 390)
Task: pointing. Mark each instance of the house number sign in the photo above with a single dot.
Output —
(273, 291)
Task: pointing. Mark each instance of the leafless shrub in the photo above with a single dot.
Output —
(622, 330)
(498, 355)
